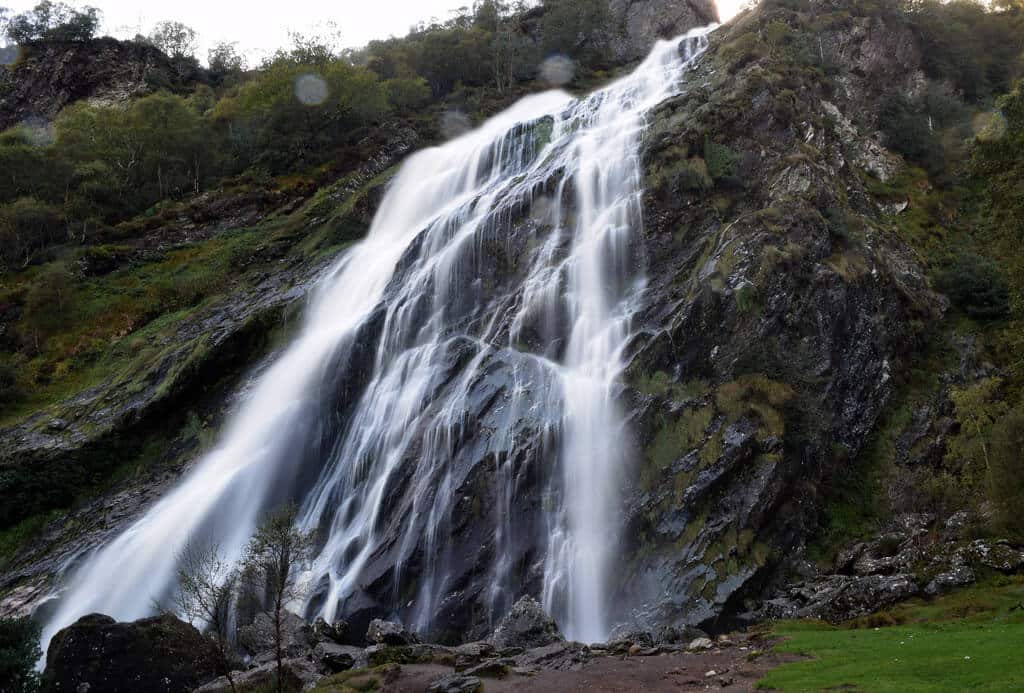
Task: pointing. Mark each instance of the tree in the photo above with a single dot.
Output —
(273, 558)
(26, 225)
(175, 39)
(206, 590)
(224, 59)
(19, 652)
(53, 21)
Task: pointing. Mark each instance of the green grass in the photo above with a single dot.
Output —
(969, 640)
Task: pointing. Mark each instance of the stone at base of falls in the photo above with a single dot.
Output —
(388, 633)
(329, 632)
(334, 657)
(457, 683)
(257, 638)
(161, 654)
(298, 674)
(526, 625)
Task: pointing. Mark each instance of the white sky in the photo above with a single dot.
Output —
(262, 27)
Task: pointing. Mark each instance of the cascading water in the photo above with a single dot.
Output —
(480, 325)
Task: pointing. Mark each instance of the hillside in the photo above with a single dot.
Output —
(823, 381)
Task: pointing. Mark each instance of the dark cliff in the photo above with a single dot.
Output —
(49, 75)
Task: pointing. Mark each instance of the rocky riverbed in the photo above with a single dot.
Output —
(525, 652)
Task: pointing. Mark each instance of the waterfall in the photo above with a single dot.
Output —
(481, 322)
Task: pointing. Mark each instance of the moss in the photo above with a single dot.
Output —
(758, 396)
(357, 680)
(741, 51)
(17, 536)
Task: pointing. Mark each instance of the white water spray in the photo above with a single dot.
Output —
(403, 338)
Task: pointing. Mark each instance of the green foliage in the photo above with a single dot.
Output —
(292, 114)
(1006, 474)
(26, 225)
(976, 286)
(53, 21)
(722, 161)
(963, 41)
(407, 93)
(19, 650)
(741, 51)
(908, 131)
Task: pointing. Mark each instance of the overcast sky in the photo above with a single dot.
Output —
(261, 27)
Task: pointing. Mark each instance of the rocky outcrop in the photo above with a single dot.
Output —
(159, 654)
(526, 625)
(49, 75)
(388, 633)
(639, 23)
(907, 559)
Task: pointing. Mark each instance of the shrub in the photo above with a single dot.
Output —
(19, 651)
(407, 93)
(976, 286)
(26, 225)
(722, 161)
(1006, 472)
(907, 130)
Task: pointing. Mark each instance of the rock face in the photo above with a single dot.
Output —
(526, 625)
(53, 74)
(639, 23)
(160, 654)
(258, 637)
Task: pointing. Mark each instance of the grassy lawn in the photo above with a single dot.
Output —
(970, 640)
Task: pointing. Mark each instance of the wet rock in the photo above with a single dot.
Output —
(159, 654)
(258, 637)
(332, 632)
(526, 625)
(389, 633)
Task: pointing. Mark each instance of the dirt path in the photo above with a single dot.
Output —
(677, 671)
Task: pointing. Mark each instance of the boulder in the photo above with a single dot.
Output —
(389, 633)
(957, 576)
(323, 631)
(257, 638)
(158, 654)
(526, 625)
(334, 657)
(700, 644)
